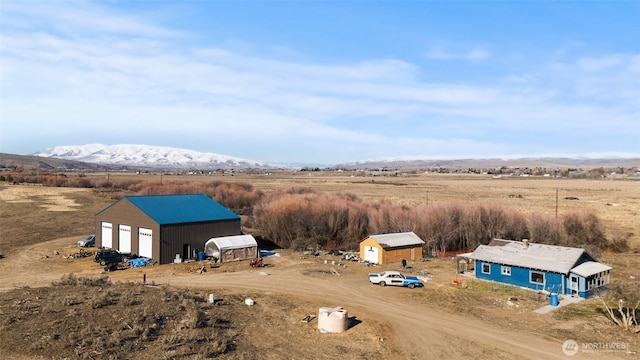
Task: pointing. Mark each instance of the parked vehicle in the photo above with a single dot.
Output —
(108, 256)
(256, 263)
(88, 241)
(394, 278)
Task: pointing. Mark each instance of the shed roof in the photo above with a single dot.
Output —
(590, 268)
(232, 242)
(177, 209)
(558, 259)
(397, 239)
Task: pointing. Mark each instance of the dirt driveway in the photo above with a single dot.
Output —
(417, 330)
(420, 331)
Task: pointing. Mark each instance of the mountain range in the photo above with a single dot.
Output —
(149, 157)
(135, 157)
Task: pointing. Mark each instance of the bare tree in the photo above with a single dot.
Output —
(625, 298)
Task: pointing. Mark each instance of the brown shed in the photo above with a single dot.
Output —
(162, 227)
(390, 248)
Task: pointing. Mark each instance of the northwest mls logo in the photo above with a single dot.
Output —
(570, 347)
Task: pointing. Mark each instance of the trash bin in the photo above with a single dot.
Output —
(201, 255)
(553, 299)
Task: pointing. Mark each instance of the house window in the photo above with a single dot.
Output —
(486, 268)
(536, 277)
(505, 270)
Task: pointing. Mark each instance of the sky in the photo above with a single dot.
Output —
(324, 82)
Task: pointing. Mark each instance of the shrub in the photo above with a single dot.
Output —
(66, 280)
(102, 300)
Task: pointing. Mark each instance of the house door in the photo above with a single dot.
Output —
(574, 285)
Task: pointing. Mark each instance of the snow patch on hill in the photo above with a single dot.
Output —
(145, 156)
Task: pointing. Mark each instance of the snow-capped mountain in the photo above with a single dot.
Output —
(143, 156)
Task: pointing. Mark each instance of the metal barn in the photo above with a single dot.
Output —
(389, 248)
(162, 227)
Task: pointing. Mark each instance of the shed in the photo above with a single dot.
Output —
(557, 269)
(389, 248)
(232, 248)
(162, 227)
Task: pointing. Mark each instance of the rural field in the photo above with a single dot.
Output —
(56, 303)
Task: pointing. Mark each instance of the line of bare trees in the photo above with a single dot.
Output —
(301, 217)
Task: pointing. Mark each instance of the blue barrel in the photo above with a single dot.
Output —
(553, 300)
(201, 255)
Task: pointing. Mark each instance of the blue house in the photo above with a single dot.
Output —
(556, 269)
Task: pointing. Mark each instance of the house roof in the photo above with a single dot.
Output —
(590, 268)
(176, 209)
(558, 259)
(232, 242)
(397, 239)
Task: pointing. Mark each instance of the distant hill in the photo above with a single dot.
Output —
(149, 157)
(28, 162)
(542, 162)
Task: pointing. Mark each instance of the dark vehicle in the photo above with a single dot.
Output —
(108, 256)
(88, 241)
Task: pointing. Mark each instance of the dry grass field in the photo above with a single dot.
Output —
(615, 201)
(39, 227)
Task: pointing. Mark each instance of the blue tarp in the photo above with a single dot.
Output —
(138, 262)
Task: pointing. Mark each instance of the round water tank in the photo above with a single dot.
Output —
(332, 320)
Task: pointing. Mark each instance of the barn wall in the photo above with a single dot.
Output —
(392, 255)
(188, 239)
(125, 213)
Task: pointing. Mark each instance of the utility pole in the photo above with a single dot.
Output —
(556, 203)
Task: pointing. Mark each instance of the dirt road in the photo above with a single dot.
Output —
(421, 331)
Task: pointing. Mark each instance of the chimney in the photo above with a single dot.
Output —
(525, 244)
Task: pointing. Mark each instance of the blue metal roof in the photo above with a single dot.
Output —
(176, 209)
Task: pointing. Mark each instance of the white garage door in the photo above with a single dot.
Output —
(371, 254)
(124, 239)
(106, 236)
(145, 243)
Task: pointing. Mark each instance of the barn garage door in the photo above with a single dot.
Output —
(106, 236)
(145, 243)
(371, 254)
(124, 239)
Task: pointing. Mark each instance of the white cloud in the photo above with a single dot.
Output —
(522, 78)
(477, 54)
(81, 18)
(601, 63)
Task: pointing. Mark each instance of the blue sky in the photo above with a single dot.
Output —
(324, 82)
